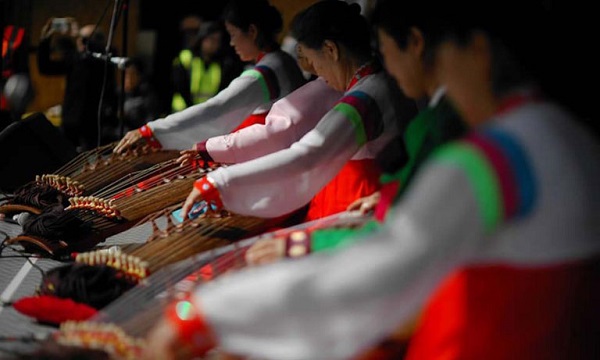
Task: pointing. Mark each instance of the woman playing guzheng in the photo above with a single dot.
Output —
(497, 237)
(408, 57)
(334, 163)
(252, 26)
(288, 120)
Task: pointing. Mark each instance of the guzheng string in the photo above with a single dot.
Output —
(133, 178)
(177, 242)
(88, 172)
(113, 167)
(202, 238)
(134, 199)
(90, 219)
(141, 201)
(83, 159)
(174, 243)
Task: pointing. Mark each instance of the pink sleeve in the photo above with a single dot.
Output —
(289, 119)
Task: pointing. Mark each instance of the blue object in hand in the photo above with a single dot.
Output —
(198, 209)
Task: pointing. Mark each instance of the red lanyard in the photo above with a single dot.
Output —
(517, 100)
(363, 71)
(260, 56)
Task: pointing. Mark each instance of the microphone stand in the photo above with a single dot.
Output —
(121, 113)
(121, 9)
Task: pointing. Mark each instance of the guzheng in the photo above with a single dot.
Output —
(166, 246)
(99, 277)
(84, 175)
(89, 220)
(128, 319)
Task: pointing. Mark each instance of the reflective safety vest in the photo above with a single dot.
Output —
(204, 82)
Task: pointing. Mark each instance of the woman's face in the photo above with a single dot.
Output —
(303, 61)
(325, 65)
(244, 43)
(405, 65)
(466, 72)
(132, 78)
(211, 44)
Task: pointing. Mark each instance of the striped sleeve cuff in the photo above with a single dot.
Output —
(203, 151)
(147, 134)
(209, 192)
(190, 326)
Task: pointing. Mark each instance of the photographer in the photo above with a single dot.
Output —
(63, 50)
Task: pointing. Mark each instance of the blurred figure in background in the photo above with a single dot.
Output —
(64, 49)
(202, 70)
(189, 27)
(141, 104)
(253, 27)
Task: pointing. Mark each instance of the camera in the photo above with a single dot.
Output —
(60, 24)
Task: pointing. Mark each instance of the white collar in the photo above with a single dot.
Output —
(437, 96)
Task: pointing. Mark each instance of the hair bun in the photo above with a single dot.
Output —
(275, 20)
(355, 7)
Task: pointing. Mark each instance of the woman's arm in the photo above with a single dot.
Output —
(289, 119)
(332, 305)
(281, 182)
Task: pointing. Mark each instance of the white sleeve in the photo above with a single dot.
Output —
(288, 120)
(216, 116)
(333, 305)
(284, 181)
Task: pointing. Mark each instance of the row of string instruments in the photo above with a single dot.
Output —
(112, 296)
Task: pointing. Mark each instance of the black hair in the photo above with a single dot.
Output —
(266, 18)
(52, 350)
(517, 42)
(206, 29)
(96, 286)
(139, 64)
(95, 41)
(336, 21)
(41, 196)
(396, 18)
(209, 27)
(525, 39)
(55, 224)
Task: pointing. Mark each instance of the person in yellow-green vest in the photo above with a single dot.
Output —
(202, 71)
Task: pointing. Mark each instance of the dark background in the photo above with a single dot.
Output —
(575, 35)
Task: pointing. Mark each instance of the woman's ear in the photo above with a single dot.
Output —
(416, 42)
(481, 49)
(253, 32)
(331, 50)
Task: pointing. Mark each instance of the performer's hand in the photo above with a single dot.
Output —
(194, 197)
(163, 343)
(266, 251)
(219, 355)
(365, 204)
(47, 29)
(187, 157)
(127, 141)
(73, 26)
(181, 333)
